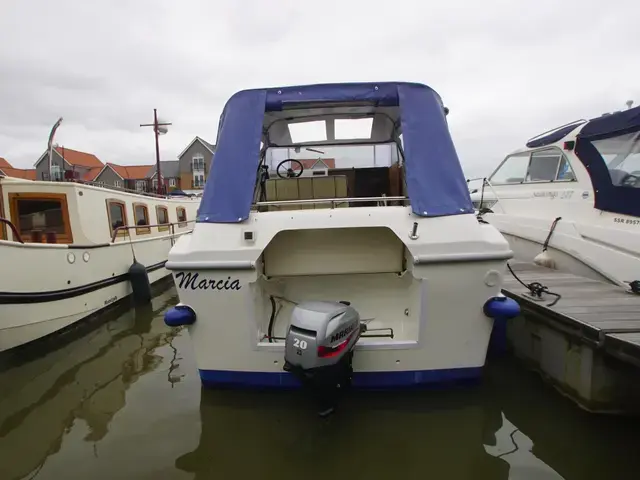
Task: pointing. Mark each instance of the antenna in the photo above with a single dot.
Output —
(629, 103)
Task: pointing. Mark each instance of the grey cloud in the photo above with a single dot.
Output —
(508, 70)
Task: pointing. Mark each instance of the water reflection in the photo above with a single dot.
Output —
(379, 435)
(554, 434)
(510, 427)
(125, 402)
(86, 379)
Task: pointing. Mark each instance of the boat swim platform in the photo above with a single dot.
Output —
(585, 341)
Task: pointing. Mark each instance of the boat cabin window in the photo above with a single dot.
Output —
(182, 216)
(163, 217)
(41, 218)
(141, 217)
(622, 156)
(565, 172)
(512, 170)
(117, 213)
(317, 162)
(548, 165)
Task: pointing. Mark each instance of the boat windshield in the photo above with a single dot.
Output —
(316, 160)
(622, 156)
(320, 159)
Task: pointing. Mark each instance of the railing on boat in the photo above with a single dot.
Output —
(126, 228)
(381, 201)
(146, 193)
(119, 189)
(16, 234)
(485, 181)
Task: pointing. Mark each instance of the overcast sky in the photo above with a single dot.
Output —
(507, 69)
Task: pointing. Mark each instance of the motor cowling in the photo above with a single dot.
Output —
(319, 347)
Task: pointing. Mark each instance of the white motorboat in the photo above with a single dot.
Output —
(67, 249)
(376, 263)
(570, 199)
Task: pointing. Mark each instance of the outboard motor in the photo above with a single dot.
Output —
(319, 348)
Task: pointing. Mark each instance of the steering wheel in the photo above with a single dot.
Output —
(290, 172)
(630, 180)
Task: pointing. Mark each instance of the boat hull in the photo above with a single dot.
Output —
(593, 250)
(32, 321)
(433, 304)
(64, 286)
(361, 379)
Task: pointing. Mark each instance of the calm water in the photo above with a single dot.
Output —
(124, 401)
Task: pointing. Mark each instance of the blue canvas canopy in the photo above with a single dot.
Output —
(435, 182)
(619, 128)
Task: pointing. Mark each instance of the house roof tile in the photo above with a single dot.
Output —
(26, 173)
(91, 175)
(81, 159)
(131, 172)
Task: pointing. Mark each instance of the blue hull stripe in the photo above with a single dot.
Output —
(411, 378)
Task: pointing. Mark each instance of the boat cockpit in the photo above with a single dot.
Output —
(345, 157)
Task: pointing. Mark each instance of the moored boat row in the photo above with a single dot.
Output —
(66, 249)
(346, 275)
(570, 199)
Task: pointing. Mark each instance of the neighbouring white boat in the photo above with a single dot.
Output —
(66, 249)
(573, 192)
(284, 279)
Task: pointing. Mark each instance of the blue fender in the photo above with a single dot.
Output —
(180, 315)
(501, 309)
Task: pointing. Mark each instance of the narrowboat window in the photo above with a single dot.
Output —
(41, 218)
(117, 217)
(141, 216)
(182, 216)
(163, 217)
(512, 170)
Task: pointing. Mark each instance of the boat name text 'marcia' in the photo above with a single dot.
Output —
(190, 280)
